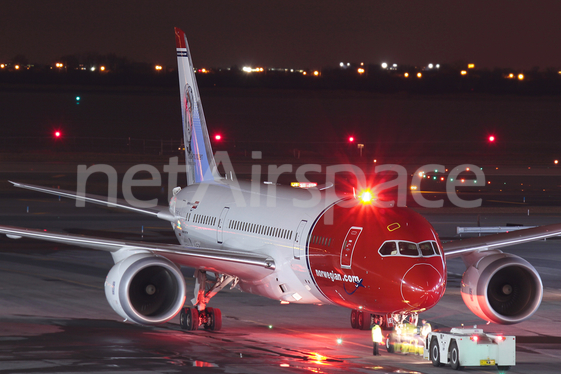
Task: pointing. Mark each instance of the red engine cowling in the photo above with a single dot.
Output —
(145, 289)
(501, 287)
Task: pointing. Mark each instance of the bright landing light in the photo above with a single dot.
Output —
(366, 197)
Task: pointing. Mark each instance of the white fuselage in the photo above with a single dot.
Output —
(260, 218)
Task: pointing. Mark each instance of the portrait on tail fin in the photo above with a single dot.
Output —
(188, 123)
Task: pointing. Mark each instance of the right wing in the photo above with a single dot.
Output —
(462, 247)
(245, 265)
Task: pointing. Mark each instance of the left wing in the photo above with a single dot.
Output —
(245, 265)
(462, 247)
(157, 211)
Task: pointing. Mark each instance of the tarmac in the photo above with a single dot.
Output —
(54, 317)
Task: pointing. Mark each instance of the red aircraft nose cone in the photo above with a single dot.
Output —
(422, 286)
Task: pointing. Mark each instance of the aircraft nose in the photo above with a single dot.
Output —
(422, 286)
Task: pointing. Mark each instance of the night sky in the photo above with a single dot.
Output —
(299, 34)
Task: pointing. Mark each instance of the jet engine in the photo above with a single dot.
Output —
(145, 289)
(500, 287)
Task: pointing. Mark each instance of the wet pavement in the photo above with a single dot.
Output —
(54, 317)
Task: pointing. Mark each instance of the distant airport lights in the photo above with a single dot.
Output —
(249, 69)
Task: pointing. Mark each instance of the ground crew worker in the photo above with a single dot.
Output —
(425, 328)
(376, 339)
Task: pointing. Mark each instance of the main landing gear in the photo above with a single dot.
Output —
(363, 320)
(201, 315)
(191, 319)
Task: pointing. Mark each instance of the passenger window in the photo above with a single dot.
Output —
(388, 248)
(426, 249)
(408, 249)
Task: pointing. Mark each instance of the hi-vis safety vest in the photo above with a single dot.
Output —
(377, 334)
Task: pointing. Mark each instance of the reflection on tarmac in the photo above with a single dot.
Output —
(54, 316)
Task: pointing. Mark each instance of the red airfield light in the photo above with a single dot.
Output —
(57, 134)
(351, 139)
(217, 137)
(491, 138)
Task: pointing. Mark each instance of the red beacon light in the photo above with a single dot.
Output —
(217, 137)
(57, 134)
(351, 139)
(491, 138)
(474, 338)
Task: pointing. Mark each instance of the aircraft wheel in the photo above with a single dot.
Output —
(189, 318)
(435, 353)
(354, 318)
(363, 320)
(454, 356)
(214, 319)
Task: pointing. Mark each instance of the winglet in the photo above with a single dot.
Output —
(199, 158)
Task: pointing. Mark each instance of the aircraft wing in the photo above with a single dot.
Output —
(245, 265)
(157, 211)
(461, 247)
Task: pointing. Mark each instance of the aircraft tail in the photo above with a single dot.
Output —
(199, 158)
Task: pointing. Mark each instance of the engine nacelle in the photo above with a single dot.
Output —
(145, 289)
(501, 287)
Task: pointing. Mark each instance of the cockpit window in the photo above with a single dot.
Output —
(426, 249)
(388, 248)
(436, 249)
(408, 249)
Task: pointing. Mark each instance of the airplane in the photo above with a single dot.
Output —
(380, 262)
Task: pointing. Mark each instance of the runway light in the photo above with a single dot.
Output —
(556, 162)
(384, 65)
(491, 138)
(471, 66)
(316, 73)
(520, 77)
(419, 75)
(464, 72)
(406, 75)
(158, 67)
(57, 134)
(360, 70)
